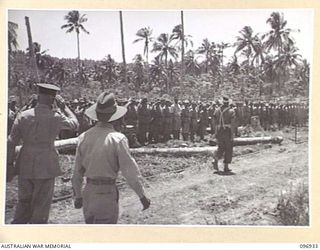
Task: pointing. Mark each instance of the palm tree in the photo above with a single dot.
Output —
(183, 38)
(145, 34)
(158, 71)
(279, 35)
(191, 64)
(138, 72)
(172, 75)
(75, 23)
(12, 36)
(259, 51)
(221, 47)
(205, 49)
(288, 59)
(246, 42)
(304, 72)
(234, 67)
(123, 55)
(209, 49)
(109, 70)
(164, 46)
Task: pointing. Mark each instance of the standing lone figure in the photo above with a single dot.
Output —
(101, 154)
(225, 127)
(37, 163)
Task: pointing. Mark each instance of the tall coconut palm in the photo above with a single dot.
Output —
(172, 75)
(191, 64)
(221, 47)
(279, 36)
(158, 71)
(163, 45)
(145, 35)
(246, 42)
(12, 36)
(75, 23)
(304, 72)
(178, 34)
(233, 66)
(182, 46)
(206, 49)
(138, 72)
(109, 70)
(259, 52)
(123, 55)
(289, 58)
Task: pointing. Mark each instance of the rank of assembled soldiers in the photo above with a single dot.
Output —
(154, 121)
(103, 149)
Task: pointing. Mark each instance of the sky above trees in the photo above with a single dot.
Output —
(104, 27)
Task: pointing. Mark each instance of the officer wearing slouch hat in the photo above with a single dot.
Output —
(37, 164)
(101, 153)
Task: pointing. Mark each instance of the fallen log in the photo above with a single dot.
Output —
(71, 144)
(243, 141)
(175, 151)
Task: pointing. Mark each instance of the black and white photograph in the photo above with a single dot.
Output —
(174, 117)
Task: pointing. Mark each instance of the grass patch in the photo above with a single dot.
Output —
(293, 206)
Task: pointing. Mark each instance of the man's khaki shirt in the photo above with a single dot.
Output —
(102, 152)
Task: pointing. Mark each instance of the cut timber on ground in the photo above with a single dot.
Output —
(71, 144)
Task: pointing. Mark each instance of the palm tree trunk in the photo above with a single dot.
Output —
(222, 76)
(78, 59)
(166, 69)
(124, 56)
(78, 47)
(207, 60)
(182, 47)
(147, 62)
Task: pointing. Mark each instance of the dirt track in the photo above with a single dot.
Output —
(195, 195)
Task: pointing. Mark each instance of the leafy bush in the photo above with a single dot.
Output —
(293, 206)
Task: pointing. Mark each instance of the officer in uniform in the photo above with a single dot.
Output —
(167, 116)
(156, 123)
(144, 118)
(101, 153)
(176, 123)
(37, 163)
(211, 111)
(185, 121)
(225, 122)
(194, 121)
(203, 121)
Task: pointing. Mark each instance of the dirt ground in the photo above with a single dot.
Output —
(185, 190)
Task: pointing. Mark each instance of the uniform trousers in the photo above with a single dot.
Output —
(100, 203)
(34, 200)
(225, 144)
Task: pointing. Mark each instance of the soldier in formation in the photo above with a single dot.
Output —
(163, 120)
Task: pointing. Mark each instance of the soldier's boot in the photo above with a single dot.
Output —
(226, 168)
(215, 164)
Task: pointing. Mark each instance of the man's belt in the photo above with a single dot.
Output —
(225, 126)
(101, 181)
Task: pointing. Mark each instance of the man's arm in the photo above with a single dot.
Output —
(233, 123)
(69, 120)
(130, 171)
(129, 167)
(13, 140)
(78, 173)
